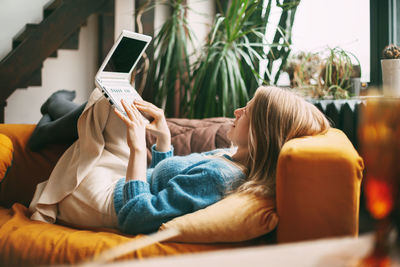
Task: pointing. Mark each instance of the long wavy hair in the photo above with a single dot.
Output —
(276, 116)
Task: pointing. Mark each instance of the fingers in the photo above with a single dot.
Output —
(132, 112)
(149, 108)
(123, 117)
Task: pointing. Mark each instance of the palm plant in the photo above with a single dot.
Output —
(228, 72)
(278, 51)
(219, 86)
(169, 75)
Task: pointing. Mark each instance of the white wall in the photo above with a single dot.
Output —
(71, 70)
(200, 16)
(124, 19)
(343, 23)
(15, 14)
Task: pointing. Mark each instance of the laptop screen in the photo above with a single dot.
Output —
(125, 55)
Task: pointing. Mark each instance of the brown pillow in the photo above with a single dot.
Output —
(238, 217)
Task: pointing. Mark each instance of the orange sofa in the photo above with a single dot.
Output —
(318, 191)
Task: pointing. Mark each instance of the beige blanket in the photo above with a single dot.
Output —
(102, 138)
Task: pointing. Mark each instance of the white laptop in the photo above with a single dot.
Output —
(113, 77)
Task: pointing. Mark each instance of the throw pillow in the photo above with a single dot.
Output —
(238, 217)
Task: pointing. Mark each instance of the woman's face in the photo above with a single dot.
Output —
(239, 133)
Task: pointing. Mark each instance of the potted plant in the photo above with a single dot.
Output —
(227, 73)
(336, 73)
(334, 76)
(303, 69)
(170, 74)
(391, 70)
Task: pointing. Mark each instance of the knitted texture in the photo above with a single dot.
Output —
(175, 186)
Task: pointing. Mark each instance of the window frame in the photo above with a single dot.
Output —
(384, 30)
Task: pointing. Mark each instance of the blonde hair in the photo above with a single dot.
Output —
(276, 116)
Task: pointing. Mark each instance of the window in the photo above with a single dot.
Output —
(341, 23)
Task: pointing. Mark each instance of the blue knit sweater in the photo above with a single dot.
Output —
(175, 185)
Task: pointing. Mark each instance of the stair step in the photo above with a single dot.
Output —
(22, 66)
(50, 7)
(35, 79)
(23, 34)
(55, 54)
(72, 42)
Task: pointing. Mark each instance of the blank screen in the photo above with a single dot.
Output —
(125, 55)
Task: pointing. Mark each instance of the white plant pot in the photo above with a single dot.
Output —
(391, 77)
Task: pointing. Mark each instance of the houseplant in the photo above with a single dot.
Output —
(324, 77)
(275, 54)
(391, 70)
(303, 69)
(336, 73)
(234, 49)
(227, 73)
(170, 74)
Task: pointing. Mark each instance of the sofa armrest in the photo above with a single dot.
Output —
(28, 168)
(318, 187)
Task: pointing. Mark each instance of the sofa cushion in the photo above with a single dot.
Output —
(191, 135)
(238, 217)
(25, 242)
(6, 155)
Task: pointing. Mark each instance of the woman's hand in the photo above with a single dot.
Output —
(136, 137)
(136, 127)
(158, 127)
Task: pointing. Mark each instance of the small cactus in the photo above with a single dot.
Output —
(391, 52)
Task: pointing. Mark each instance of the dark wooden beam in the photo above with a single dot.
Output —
(106, 30)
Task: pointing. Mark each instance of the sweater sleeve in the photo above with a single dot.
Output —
(144, 212)
(157, 156)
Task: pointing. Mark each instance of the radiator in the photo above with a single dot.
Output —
(343, 114)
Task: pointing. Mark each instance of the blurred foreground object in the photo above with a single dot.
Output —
(379, 136)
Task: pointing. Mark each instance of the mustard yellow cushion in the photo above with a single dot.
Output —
(6, 154)
(24, 242)
(238, 217)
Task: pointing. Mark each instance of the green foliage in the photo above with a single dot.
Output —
(228, 72)
(336, 73)
(170, 74)
(279, 53)
(323, 78)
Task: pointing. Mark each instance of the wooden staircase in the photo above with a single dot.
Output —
(59, 29)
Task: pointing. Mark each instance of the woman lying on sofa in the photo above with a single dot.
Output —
(100, 181)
